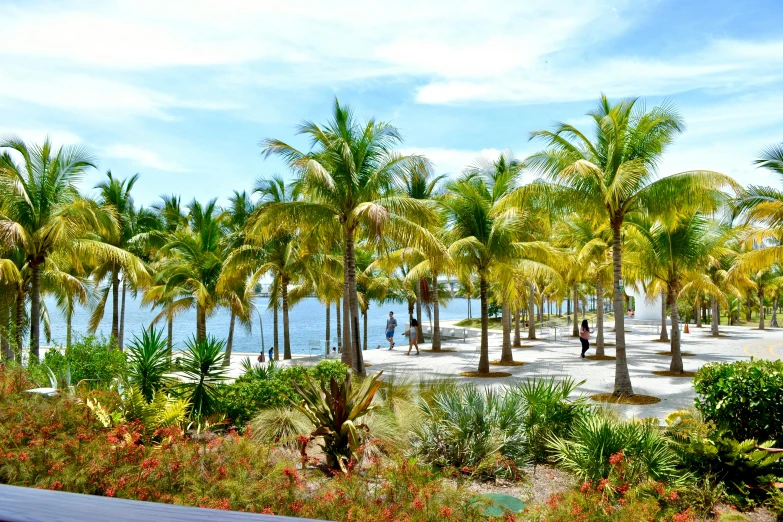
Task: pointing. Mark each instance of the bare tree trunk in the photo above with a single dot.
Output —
(35, 313)
(5, 331)
(676, 364)
(505, 354)
(568, 308)
(575, 327)
(483, 366)
(773, 323)
(435, 314)
(19, 327)
(170, 339)
(115, 306)
(347, 353)
(664, 329)
(761, 307)
(286, 331)
(599, 320)
(715, 317)
(328, 327)
(121, 338)
(622, 379)
(418, 303)
(364, 331)
(531, 303)
(697, 311)
(357, 359)
(275, 332)
(230, 340)
(69, 323)
(339, 327)
(749, 310)
(201, 322)
(517, 334)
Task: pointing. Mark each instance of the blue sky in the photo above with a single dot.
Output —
(183, 91)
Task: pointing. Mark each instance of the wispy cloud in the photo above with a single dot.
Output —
(142, 157)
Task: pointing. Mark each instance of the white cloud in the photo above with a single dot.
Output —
(142, 157)
(32, 135)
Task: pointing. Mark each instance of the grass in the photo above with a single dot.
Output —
(494, 323)
(510, 363)
(524, 346)
(625, 399)
(600, 357)
(669, 354)
(667, 373)
(488, 375)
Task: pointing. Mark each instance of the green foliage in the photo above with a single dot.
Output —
(476, 431)
(586, 450)
(270, 386)
(334, 411)
(90, 359)
(743, 398)
(202, 365)
(148, 362)
(547, 411)
(257, 371)
(280, 424)
(161, 411)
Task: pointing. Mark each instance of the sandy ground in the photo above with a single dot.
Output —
(560, 358)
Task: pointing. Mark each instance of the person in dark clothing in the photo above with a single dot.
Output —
(584, 336)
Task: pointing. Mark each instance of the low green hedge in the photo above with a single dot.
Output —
(92, 359)
(745, 398)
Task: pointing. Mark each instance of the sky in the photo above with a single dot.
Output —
(182, 92)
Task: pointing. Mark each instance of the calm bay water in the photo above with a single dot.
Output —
(307, 321)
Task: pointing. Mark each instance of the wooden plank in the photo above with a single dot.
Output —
(40, 505)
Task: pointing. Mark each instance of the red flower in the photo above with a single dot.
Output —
(418, 504)
(446, 511)
(617, 458)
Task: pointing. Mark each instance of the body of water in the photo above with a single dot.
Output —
(307, 322)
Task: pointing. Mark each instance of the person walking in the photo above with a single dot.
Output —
(391, 324)
(584, 336)
(413, 336)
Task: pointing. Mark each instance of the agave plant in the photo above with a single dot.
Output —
(334, 411)
(258, 371)
(202, 366)
(148, 362)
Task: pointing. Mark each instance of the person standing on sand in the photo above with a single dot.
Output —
(584, 335)
(391, 324)
(413, 337)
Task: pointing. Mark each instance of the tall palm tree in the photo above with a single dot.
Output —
(614, 174)
(349, 181)
(44, 213)
(485, 240)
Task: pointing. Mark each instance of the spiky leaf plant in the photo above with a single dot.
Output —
(148, 362)
(202, 366)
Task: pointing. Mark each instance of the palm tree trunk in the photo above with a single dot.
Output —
(575, 327)
(568, 308)
(622, 379)
(170, 336)
(664, 329)
(286, 333)
(470, 316)
(201, 322)
(121, 339)
(676, 364)
(275, 332)
(749, 310)
(69, 322)
(5, 323)
(339, 327)
(773, 323)
(599, 320)
(531, 303)
(697, 311)
(761, 307)
(115, 306)
(483, 366)
(418, 302)
(347, 354)
(230, 340)
(364, 331)
(35, 313)
(505, 354)
(517, 334)
(19, 327)
(328, 336)
(357, 359)
(715, 317)
(435, 314)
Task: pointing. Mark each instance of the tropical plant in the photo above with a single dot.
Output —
(159, 411)
(348, 182)
(148, 362)
(613, 174)
(474, 431)
(282, 424)
(43, 213)
(335, 411)
(90, 359)
(202, 366)
(587, 449)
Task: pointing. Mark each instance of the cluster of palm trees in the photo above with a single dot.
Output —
(360, 222)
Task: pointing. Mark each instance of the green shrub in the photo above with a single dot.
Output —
(90, 359)
(743, 398)
(148, 362)
(587, 449)
(475, 431)
(202, 364)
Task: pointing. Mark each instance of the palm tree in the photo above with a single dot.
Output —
(44, 213)
(613, 173)
(485, 240)
(349, 182)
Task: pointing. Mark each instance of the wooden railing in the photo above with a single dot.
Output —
(41, 505)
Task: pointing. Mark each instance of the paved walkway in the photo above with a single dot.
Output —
(560, 358)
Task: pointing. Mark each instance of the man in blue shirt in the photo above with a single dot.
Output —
(391, 324)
